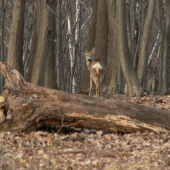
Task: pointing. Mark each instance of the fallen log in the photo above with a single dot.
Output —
(27, 107)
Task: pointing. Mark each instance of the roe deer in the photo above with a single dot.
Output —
(97, 69)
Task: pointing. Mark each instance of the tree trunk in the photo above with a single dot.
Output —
(133, 84)
(102, 29)
(128, 23)
(132, 23)
(34, 43)
(2, 42)
(110, 87)
(76, 45)
(50, 76)
(15, 50)
(166, 51)
(27, 107)
(59, 44)
(142, 62)
(114, 77)
(162, 33)
(43, 41)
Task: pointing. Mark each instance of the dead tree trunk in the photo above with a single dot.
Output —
(27, 107)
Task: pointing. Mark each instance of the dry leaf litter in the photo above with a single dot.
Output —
(83, 151)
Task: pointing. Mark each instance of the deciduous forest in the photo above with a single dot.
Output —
(45, 42)
(47, 118)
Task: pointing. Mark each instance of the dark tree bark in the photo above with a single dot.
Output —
(33, 45)
(162, 36)
(2, 41)
(59, 44)
(50, 75)
(142, 62)
(27, 107)
(132, 4)
(166, 50)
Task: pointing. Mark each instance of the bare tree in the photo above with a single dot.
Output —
(50, 74)
(15, 51)
(114, 77)
(134, 88)
(142, 62)
(59, 44)
(166, 50)
(42, 40)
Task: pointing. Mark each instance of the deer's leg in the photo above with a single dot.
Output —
(97, 88)
(100, 88)
(101, 78)
(91, 86)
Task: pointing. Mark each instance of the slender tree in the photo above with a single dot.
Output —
(50, 74)
(142, 62)
(59, 44)
(166, 50)
(15, 50)
(134, 88)
(2, 40)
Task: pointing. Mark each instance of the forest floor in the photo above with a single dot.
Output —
(86, 151)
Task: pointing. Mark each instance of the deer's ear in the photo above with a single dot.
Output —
(85, 50)
(93, 50)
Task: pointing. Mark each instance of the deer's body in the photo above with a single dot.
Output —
(96, 68)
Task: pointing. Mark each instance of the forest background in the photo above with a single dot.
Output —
(45, 41)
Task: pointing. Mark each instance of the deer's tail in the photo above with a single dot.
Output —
(97, 67)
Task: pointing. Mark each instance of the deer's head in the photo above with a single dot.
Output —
(89, 56)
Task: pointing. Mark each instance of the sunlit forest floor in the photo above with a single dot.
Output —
(86, 151)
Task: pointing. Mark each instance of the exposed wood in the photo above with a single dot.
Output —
(26, 107)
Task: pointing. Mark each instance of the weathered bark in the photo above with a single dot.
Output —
(27, 107)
